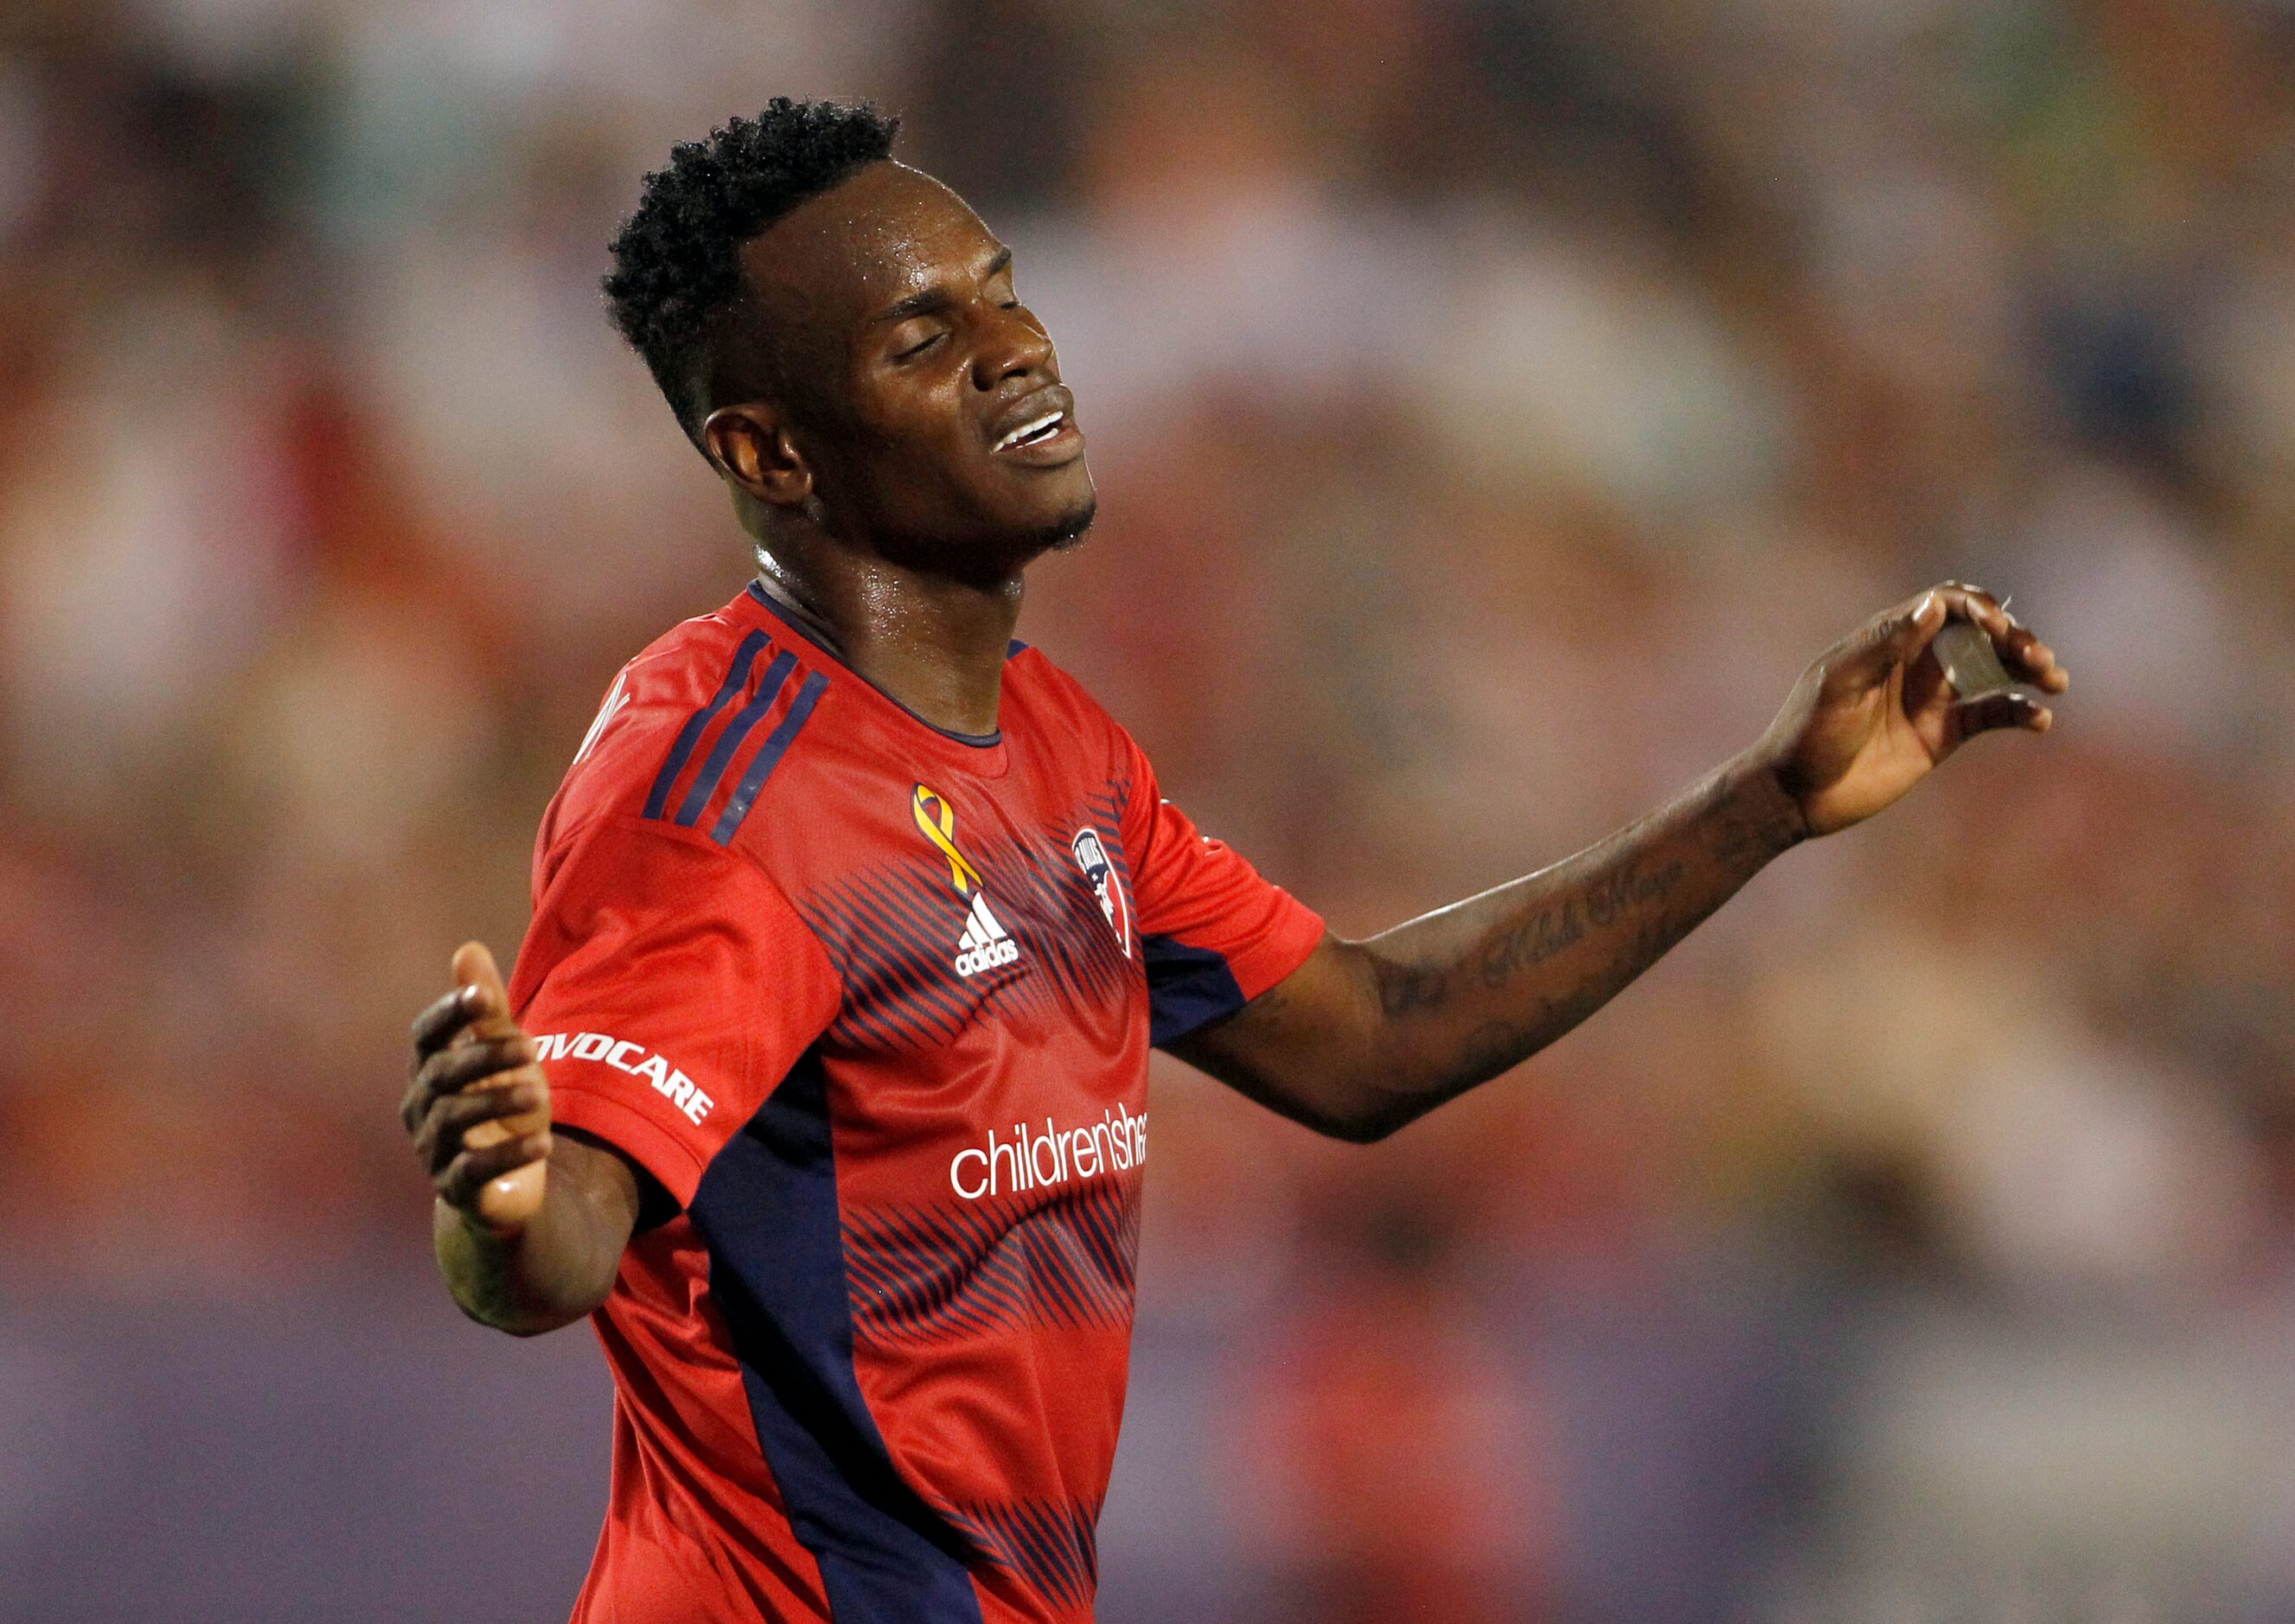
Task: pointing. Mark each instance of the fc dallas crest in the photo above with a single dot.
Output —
(1092, 858)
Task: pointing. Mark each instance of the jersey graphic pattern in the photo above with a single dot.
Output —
(889, 929)
(1065, 1257)
(1051, 1546)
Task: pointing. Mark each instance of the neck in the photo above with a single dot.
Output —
(936, 644)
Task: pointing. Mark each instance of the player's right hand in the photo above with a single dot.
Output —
(478, 1105)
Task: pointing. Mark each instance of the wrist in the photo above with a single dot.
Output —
(481, 1268)
(1761, 815)
(471, 1232)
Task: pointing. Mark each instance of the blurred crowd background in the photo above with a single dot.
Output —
(1495, 404)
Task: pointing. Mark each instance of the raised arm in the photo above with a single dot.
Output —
(1368, 1035)
(556, 1266)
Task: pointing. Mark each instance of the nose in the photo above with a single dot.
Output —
(1012, 345)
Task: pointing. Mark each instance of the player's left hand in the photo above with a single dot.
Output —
(1870, 718)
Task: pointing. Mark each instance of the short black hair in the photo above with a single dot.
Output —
(677, 259)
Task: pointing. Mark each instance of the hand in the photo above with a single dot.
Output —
(478, 1105)
(1875, 713)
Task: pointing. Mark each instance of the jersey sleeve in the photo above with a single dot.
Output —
(1214, 935)
(669, 987)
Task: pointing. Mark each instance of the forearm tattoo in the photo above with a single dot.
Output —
(1496, 979)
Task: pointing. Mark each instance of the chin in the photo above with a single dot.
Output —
(1059, 509)
(1034, 535)
(1069, 530)
(1000, 546)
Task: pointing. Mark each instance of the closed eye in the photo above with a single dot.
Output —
(914, 350)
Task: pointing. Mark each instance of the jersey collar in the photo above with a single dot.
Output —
(981, 753)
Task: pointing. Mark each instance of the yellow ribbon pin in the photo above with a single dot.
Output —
(940, 829)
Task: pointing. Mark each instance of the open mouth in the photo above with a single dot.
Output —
(1035, 431)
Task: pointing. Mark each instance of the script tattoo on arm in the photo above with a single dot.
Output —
(1368, 1035)
(1471, 991)
(1405, 987)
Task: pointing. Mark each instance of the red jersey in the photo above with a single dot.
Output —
(873, 1002)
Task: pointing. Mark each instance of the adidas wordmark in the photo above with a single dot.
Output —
(985, 943)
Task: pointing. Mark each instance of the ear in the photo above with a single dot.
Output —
(752, 448)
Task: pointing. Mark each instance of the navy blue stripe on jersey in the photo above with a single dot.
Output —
(1188, 987)
(767, 1211)
(769, 756)
(730, 737)
(699, 722)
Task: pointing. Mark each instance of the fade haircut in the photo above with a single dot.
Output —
(677, 264)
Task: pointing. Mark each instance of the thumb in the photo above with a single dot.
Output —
(474, 966)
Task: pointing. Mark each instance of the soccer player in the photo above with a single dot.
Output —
(855, 919)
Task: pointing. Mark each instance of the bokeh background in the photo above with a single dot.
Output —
(1495, 403)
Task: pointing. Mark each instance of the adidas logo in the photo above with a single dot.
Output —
(985, 943)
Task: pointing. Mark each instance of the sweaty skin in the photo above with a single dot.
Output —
(862, 414)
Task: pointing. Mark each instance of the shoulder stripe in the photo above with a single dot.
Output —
(728, 740)
(769, 756)
(699, 722)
